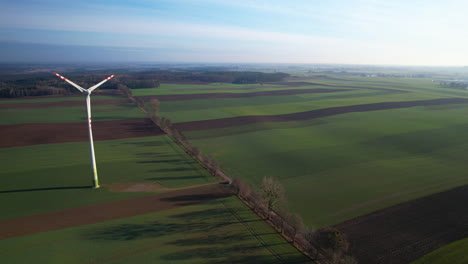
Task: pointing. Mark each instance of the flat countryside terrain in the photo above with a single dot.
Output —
(383, 142)
(47, 188)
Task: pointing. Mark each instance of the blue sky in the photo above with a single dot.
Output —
(309, 31)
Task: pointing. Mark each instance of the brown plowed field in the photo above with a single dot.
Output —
(245, 120)
(177, 97)
(49, 133)
(91, 214)
(405, 232)
(62, 104)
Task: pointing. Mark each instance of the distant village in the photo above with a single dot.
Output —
(458, 84)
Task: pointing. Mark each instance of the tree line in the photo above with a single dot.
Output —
(454, 84)
(269, 201)
(38, 85)
(51, 85)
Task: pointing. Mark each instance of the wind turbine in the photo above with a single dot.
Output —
(88, 92)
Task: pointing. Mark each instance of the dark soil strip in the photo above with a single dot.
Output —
(245, 120)
(85, 215)
(177, 97)
(49, 133)
(62, 103)
(370, 88)
(299, 84)
(220, 88)
(408, 231)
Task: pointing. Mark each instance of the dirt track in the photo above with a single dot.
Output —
(48, 133)
(405, 232)
(85, 215)
(245, 120)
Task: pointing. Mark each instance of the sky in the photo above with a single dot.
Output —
(382, 32)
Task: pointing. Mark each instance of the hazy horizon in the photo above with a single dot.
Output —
(369, 32)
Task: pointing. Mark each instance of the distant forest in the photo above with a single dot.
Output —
(41, 84)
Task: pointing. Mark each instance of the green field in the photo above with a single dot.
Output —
(363, 161)
(340, 167)
(68, 114)
(43, 178)
(209, 88)
(343, 166)
(454, 253)
(148, 159)
(214, 232)
(57, 99)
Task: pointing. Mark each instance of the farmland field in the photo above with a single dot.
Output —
(379, 143)
(213, 232)
(351, 153)
(453, 253)
(148, 208)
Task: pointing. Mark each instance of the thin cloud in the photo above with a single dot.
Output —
(362, 31)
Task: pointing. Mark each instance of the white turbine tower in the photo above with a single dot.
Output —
(88, 92)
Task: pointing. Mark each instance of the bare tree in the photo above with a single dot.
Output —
(296, 222)
(196, 151)
(241, 187)
(155, 108)
(308, 234)
(237, 184)
(272, 192)
(165, 123)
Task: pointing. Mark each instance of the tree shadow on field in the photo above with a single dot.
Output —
(172, 169)
(257, 259)
(215, 253)
(145, 143)
(204, 215)
(215, 213)
(152, 229)
(262, 259)
(211, 240)
(104, 118)
(195, 198)
(156, 154)
(174, 178)
(161, 161)
(212, 252)
(47, 189)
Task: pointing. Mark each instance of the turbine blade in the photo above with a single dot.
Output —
(70, 82)
(90, 89)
